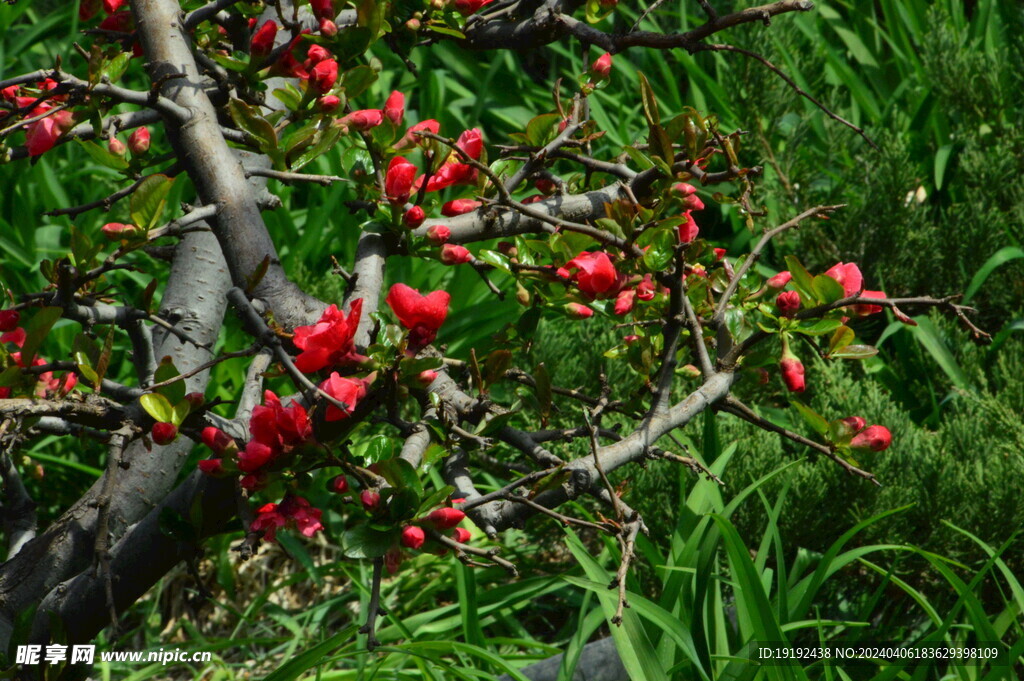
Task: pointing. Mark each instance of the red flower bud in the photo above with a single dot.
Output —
(854, 423)
(164, 433)
(624, 301)
(216, 439)
(322, 9)
(793, 375)
(689, 371)
(370, 500)
(779, 281)
(577, 311)
(461, 535)
(115, 231)
(116, 147)
(426, 377)
(364, 119)
(316, 54)
(414, 217)
(138, 141)
(394, 108)
(398, 180)
(212, 467)
(872, 439)
(323, 76)
(195, 400)
(602, 66)
(445, 518)
(631, 338)
(459, 207)
(438, 234)
(545, 185)
(413, 537)
(689, 230)
(788, 303)
(9, 319)
(455, 255)
(719, 253)
(328, 28)
(467, 7)
(339, 485)
(263, 41)
(329, 103)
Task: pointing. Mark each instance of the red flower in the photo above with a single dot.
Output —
(263, 41)
(422, 314)
(849, 277)
(394, 108)
(645, 289)
(602, 66)
(864, 309)
(872, 439)
(594, 272)
(9, 319)
(328, 343)
(445, 518)
(398, 180)
(138, 141)
(323, 76)
(42, 135)
(719, 253)
(164, 433)
(111, 6)
(455, 255)
(414, 217)
(17, 336)
(304, 517)
(779, 281)
(277, 426)
(439, 234)
(450, 174)
(577, 311)
(413, 537)
(348, 391)
(268, 520)
(120, 22)
(467, 7)
(316, 54)
(459, 207)
(87, 9)
(788, 303)
(689, 230)
(212, 467)
(254, 457)
(793, 375)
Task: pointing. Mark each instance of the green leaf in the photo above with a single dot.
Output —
(662, 241)
(842, 337)
(497, 363)
(37, 329)
(103, 361)
(323, 142)
(157, 406)
(165, 371)
(379, 448)
(650, 102)
(400, 474)
(811, 417)
(116, 67)
(540, 129)
(357, 79)
(149, 200)
(817, 327)
(826, 289)
(495, 260)
(435, 500)
(802, 279)
(1003, 255)
(941, 163)
(855, 352)
(248, 119)
(103, 156)
(363, 541)
(543, 388)
(595, 11)
(445, 30)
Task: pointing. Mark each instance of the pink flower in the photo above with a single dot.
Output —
(138, 141)
(864, 309)
(323, 76)
(329, 342)
(164, 433)
(422, 314)
(278, 426)
(578, 311)
(793, 375)
(602, 66)
(788, 303)
(438, 234)
(394, 108)
(398, 180)
(849, 277)
(413, 537)
(472, 143)
(459, 207)
(263, 40)
(779, 281)
(452, 254)
(348, 391)
(594, 273)
(872, 439)
(414, 217)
